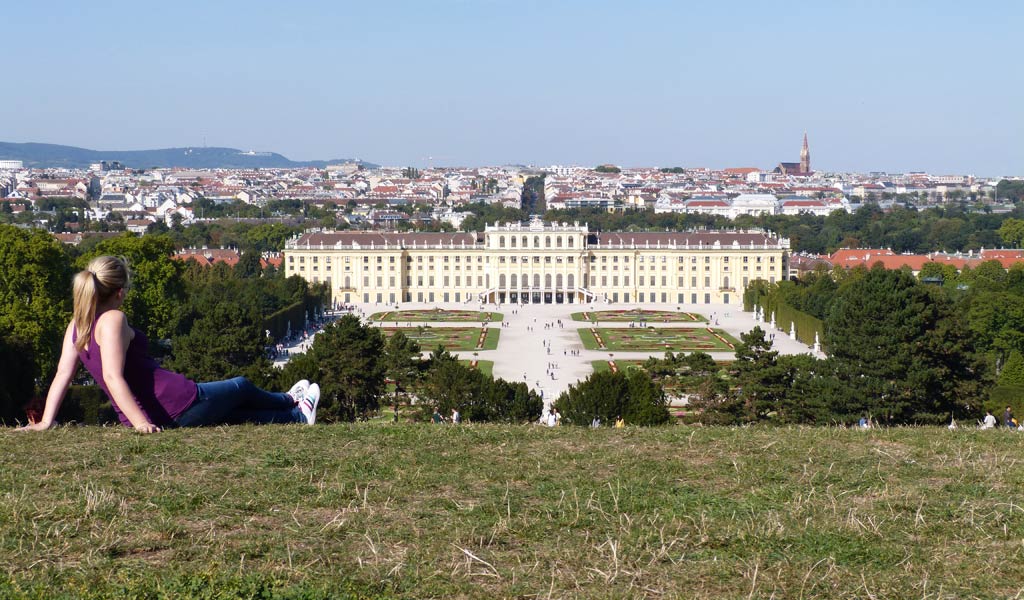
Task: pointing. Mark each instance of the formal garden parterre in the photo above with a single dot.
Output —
(639, 315)
(437, 315)
(451, 338)
(660, 339)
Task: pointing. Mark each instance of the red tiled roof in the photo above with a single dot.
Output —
(853, 257)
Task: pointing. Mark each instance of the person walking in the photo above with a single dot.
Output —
(144, 395)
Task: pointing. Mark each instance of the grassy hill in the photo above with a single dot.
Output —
(55, 156)
(415, 511)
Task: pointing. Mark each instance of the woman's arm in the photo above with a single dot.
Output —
(113, 336)
(61, 380)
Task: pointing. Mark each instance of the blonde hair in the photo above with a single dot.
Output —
(104, 276)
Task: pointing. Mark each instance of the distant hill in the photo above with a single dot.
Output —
(56, 156)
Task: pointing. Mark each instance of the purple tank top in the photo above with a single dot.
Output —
(162, 395)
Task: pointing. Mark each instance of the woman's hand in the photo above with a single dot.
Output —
(147, 428)
(40, 426)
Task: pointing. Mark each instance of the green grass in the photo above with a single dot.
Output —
(637, 314)
(484, 366)
(491, 342)
(414, 511)
(452, 338)
(437, 315)
(661, 339)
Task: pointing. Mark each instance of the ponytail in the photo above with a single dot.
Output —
(103, 278)
(85, 307)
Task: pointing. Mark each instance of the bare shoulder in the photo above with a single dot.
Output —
(114, 318)
(113, 322)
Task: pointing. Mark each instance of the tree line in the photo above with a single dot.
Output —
(952, 228)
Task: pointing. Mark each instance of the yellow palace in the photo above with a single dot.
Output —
(538, 262)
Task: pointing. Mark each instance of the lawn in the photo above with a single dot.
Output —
(662, 339)
(638, 314)
(484, 366)
(452, 338)
(412, 511)
(437, 315)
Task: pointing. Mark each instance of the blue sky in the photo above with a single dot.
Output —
(892, 86)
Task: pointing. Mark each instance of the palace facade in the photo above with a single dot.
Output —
(537, 262)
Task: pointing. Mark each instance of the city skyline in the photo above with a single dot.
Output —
(878, 87)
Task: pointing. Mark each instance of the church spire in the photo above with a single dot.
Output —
(805, 158)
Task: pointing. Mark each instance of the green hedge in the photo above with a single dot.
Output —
(296, 314)
(1002, 396)
(785, 315)
(277, 323)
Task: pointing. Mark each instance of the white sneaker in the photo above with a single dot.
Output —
(298, 391)
(309, 403)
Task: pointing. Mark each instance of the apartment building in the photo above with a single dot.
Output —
(537, 262)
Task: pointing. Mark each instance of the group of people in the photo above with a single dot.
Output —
(438, 418)
(989, 422)
(551, 417)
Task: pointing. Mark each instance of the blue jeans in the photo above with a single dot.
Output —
(239, 401)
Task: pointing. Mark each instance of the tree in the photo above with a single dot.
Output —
(601, 396)
(226, 338)
(606, 395)
(1012, 232)
(1012, 190)
(646, 404)
(1013, 370)
(996, 322)
(902, 349)
(762, 381)
(249, 265)
(157, 291)
(811, 391)
(448, 385)
(35, 295)
(401, 362)
(17, 381)
(346, 359)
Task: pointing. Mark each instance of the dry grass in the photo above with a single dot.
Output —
(493, 511)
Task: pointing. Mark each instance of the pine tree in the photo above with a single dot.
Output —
(1013, 371)
(762, 382)
(902, 349)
